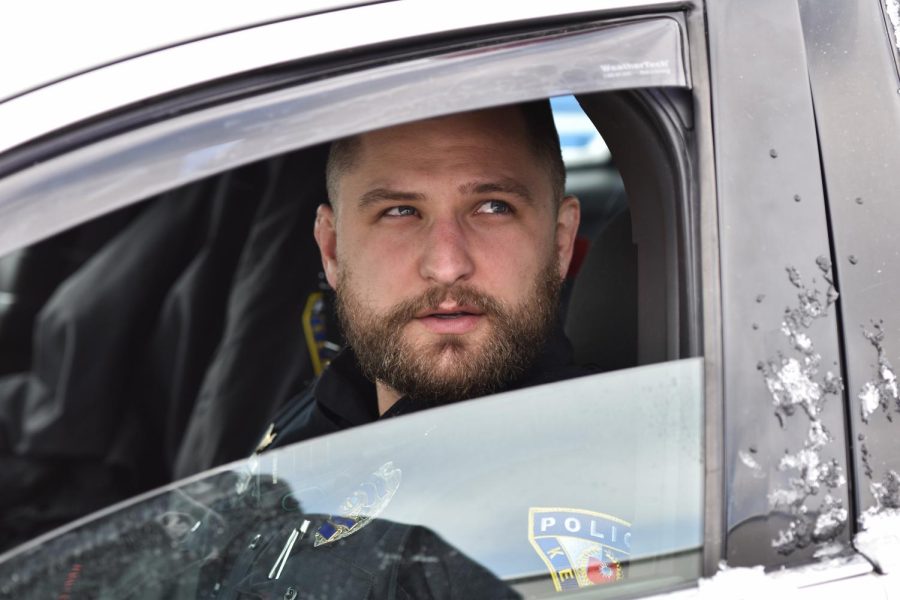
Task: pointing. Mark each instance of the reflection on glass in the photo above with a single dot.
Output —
(593, 482)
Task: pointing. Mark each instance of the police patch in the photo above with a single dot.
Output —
(581, 548)
(364, 504)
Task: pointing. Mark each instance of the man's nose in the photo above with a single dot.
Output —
(446, 258)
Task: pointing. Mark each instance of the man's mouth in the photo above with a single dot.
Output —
(453, 320)
(453, 314)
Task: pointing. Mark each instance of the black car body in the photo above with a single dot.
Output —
(738, 293)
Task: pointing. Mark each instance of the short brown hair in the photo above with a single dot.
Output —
(539, 127)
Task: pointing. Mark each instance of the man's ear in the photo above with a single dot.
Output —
(326, 237)
(567, 219)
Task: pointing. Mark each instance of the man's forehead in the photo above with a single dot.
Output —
(483, 126)
(485, 145)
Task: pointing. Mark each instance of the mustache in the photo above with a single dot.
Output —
(431, 298)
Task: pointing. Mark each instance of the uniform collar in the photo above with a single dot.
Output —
(345, 393)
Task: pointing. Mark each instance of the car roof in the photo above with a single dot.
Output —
(55, 40)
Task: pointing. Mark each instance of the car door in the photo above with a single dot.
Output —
(617, 59)
(779, 326)
(790, 207)
(855, 92)
(715, 140)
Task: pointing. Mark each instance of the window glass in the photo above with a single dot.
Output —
(590, 172)
(580, 141)
(157, 341)
(593, 482)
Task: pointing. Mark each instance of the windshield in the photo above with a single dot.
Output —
(593, 482)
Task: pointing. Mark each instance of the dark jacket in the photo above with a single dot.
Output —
(229, 554)
(146, 357)
(342, 397)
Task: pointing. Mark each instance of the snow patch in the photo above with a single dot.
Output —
(793, 382)
(881, 391)
(751, 462)
(742, 583)
(869, 400)
(892, 7)
(880, 539)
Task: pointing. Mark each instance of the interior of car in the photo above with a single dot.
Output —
(131, 344)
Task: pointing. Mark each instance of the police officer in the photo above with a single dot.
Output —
(446, 242)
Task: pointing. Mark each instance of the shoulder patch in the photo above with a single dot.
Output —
(366, 502)
(580, 547)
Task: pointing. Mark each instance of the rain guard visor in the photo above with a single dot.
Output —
(53, 195)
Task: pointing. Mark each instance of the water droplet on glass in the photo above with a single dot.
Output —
(755, 326)
(859, 200)
(752, 449)
(796, 197)
(773, 153)
(255, 541)
(853, 260)
(760, 298)
(823, 263)
(861, 437)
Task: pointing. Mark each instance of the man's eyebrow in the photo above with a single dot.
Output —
(388, 195)
(501, 186)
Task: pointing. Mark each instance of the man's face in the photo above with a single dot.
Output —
(446, 250)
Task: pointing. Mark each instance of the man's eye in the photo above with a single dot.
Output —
(495, 207)
(400, 211)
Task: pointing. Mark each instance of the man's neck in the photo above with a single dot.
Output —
(387, 397)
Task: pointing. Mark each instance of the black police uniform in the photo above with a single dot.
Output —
(342, 397)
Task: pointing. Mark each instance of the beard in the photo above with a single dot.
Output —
(451, 367)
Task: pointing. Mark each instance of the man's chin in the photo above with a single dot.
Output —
(435, 344)
(447, 351)
(449, 369)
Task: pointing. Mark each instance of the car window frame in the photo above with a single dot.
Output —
(706, 225)
(768, 180)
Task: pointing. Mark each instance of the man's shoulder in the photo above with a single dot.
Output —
(339, 398)
(301, 418)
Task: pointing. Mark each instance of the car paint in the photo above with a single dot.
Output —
(65, 40)
(856, 91)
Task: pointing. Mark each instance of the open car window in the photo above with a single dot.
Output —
(590, 482)
(174, 302)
